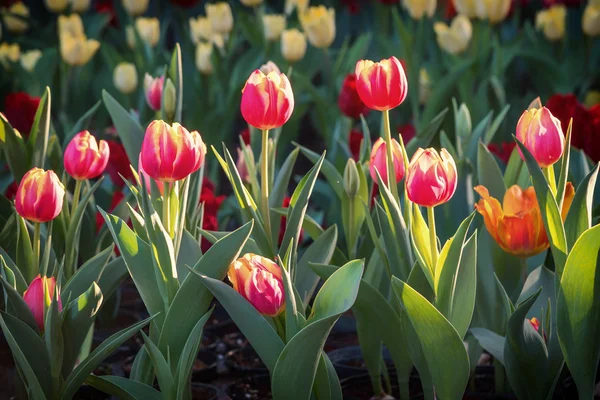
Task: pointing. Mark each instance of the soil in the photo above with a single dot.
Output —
(204, 392)
(359, 388)
(338, 340)
(246, 360)
(251, 388)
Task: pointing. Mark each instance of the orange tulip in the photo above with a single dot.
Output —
(40, 196)
(381, 85)
(517, 224)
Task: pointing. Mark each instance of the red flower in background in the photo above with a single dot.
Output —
(118, 163)
(20, 109)
(408, 132)
(592, 147)
(568, 3)
(184, 3)
(283, 225)
(449, 9)
(117, 197)
(107, 6)
(351, 5)
(502, 150)
(245, 134)
(354, 142)
(11, 191)
(211, 207)
(564, 107)
(349, 102)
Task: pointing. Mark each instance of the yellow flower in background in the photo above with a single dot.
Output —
(220, 17)
(251, 3)
(12, 22)
(125, 77)
(590, 22)
(56, 5)
(9, 52)
(80, 6)
(592, 98)
(148, 29)
(200, 29)
(419, 8)
(293, 45)
(319, 25)
(466, 7)
(454, 39)
(204, 58)
(29, 59)
(552, 22)
(135, 7)
(77, 50)
(493, 10)
(218, 40)
(273, 25)
(299, 5)
(70, 25)
(424, 86)
(130, 36)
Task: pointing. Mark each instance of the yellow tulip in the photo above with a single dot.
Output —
(454, 39)
(419, 8)
(273, 25)
(424, 86)
(299, 5)
(56, 5)
(200, 29)
(77, 51)
(70, 25)
(552, 22)
(293, 45)
(220, 17)
(251, 3)
(135, 7)
(219, 41)
(80, 6)
(29, 59)
(125, 78)
(148, 29)
(493, 10)
(591, 20)
(9, 52)
(12, 22)
(204, 58)
(319, 24)
(466, 7)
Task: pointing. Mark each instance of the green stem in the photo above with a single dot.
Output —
(264, 175)
(167, 208)
(76, 195)
(391, 181)
(36, 244)
(549, 174)
(432, 236)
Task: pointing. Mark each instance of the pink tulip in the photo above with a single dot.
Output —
(542, 134)
(153, 88)
(85, 158)
(267, 100)
(38, 297)
(40, 196)
(431, 177)
(381, 85)
(379, 160)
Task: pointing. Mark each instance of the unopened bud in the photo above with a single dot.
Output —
(351, 179)
(170, 99)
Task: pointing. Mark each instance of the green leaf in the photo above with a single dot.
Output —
(542, 279)
(87, 274)
(123, 388)
(564, 168)
(189, 254)
(491, 342)
(54, 340)
(16, 306)
(489, 174)
(40, 131)
(24, 260)
(579, 218)
(112, 275)
(161, 368)
(578, 311)
(334, 178)
(83, 123)
(15, 149)
(491, 131)
(426, 135)
(280, 186)
(421, 244)
(176, 74)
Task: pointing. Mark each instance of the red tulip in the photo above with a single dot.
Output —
(19, 110)
(503, 150)
(382, 85)
(38, 297)
(542, 134)
(431, 177)
(408, 132)
(147, 180)
(39, 196)
(283, 225)
(349, 101)
(171, 153)
(118, 164)
(267, 100)
(211, 207)
(354, 142)
(592, 145)
(379, 161)
(566, 106)
(153, 88)
(245, 134)
(85, 158)
(116, 199)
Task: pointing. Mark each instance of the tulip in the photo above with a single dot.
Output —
(77, 51)
(153, 88)
(517, 224)
(251, 3)
(220, 17)
(299, 5)
(270, 66)
(541, 133)
(590, 22)
(382, 85)
(149, 30)
(39, 196)
(204, 58)
(267, 100)
(259, 280)
(349, 101)
(135, 7)
(30, 59)
(56, 5)
(552, 22)
(171, 153)
(431, 177)
(466, 7)
(144, 175)
(293, 45)
(273, 25)
(125, 77)
(379, 161)
(454, 39)
(535, 323)
(200, 29)
(493, 10)
(169, 99)
(71, 25)
(39, 296)
(13, 23)
(80, 6)
(9, 52)
(419, 8)
(319, 24)
(85, 158)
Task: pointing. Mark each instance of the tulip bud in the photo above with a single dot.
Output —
(319, 24)
(259, 280)
(419, 8)
(85, 158)
(493, 10)
(153, 88)
(241, 164)
(13, 23)
(80, 6)
(273, 25)
(431, 177)
(171, 153)
(71, 25)
(379, 161)
(149, 30)
(267, 100)
(552, 22)
(535, 323)
(351, 179)
(293, 45)
(200, 29)
(270, 66)
(463, 122)
(56, 6)
(204, 58)
(542, 134)
(349, 101)
(170, 98)
(77, 50)
(39, 296)
(466, 7)
(456, 38)
(251, 3)
(30, 59)
(220, 16)
(135, 7)
(39, 196)
(382, 85)
(125, 78)
(590, 22)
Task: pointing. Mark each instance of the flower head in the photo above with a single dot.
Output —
(84, 157)
(381, 85)
(267, 100)
(431, 177)
(39, 196)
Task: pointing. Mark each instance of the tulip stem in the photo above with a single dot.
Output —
(264, 175)
(37, 227)
(167, 208)
(391, 175)
(76, 195)
(551, 178)
(432, 236)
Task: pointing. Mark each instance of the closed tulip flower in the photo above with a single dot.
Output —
(381, 85)
(80, 6)
(420, 8)
(552, 22)
(251, 3)
(454, 39)
(259, 280)
(349, 101)
(171, 153)
(200, 29)
(84, 157)
(135, 7)
(204, 58)
(590, 22)
(542, 134)
(466, 7)
(71, 25)
(149, 30)
(431, 177)
(293, 45)
(144, 175)
(56, 5)
(153, 88)
(29, 59)
(39, 296)
(273, 25)
(379, 162)
(40, 196)
(517, 225)
(125, 78)
(220, 17)
(77, 50)
(494, 11)
(267, 100)
(319, 24)
(12, 22)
